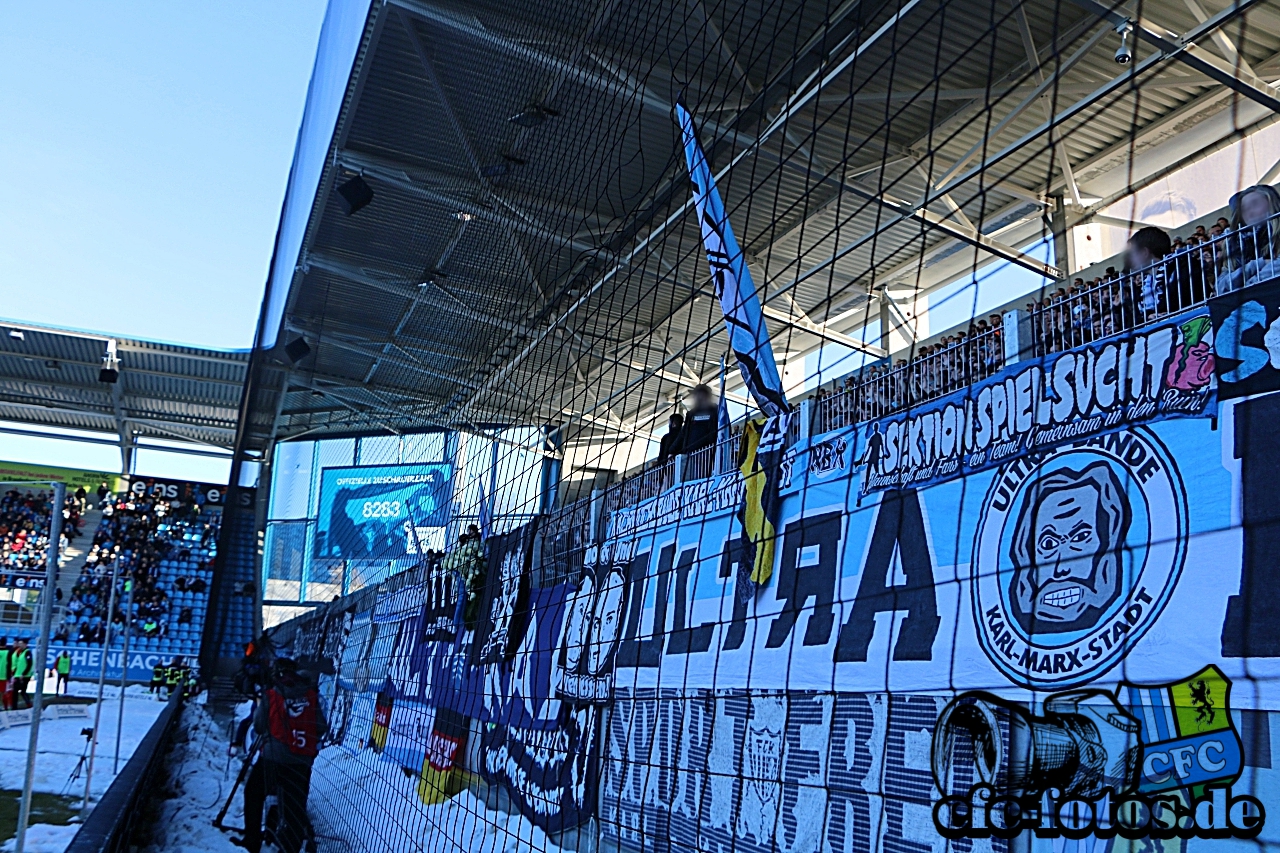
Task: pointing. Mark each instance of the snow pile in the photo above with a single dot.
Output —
(44, 838)
(364, 803)
(358, 802)
(199, 780)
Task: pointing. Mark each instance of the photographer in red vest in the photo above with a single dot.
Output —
(290, 723)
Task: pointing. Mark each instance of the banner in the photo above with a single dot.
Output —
(20, 475)
(180, 491)
(835, 772)
(1163, 370)
(86, 661)
(1110, 553)
(505, 599)
(398, 643)
(1246, 340)
(541, 750)
(375, 512)
(443, 616)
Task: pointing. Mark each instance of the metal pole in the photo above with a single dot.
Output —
(42, 655)
(124, 671)
(102, 682)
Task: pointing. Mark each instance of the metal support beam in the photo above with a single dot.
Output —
(1219, 37)
(1241, 81)
(396, 286)
(828, 335)
(1059, 147)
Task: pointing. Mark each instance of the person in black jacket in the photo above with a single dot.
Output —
(700, 425)
(671, 441)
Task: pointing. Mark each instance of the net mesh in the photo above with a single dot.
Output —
(929, 197)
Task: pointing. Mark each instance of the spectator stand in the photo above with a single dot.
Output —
(1101, 301)
(165, 551)
(23, 549)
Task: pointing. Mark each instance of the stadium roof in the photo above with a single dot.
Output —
(530, 254)
(49, 377)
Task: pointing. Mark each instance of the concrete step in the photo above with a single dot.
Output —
(23, 613)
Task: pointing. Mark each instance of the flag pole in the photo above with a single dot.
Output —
(42, 655)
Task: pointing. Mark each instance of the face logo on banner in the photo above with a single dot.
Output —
(593, 625)
(1066, 564)
(1151, 762)
(1076, 554)
(502, 607)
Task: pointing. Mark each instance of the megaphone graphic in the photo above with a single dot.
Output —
(1084, 744)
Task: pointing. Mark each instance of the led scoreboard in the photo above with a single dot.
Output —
(376, 512)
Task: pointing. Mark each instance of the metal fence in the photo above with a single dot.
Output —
(122, 818)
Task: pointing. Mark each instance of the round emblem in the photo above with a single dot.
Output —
(1076, 554)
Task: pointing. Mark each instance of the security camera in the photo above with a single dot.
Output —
(1124, 55)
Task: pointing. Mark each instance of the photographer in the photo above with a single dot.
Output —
(290, 723)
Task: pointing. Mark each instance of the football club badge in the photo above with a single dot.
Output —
(1188, 739)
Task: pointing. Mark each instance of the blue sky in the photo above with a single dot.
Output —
(147, 146)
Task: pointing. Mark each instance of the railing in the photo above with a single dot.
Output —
(122, 812)
(565, 535)
(877, 391)
(1064, 319)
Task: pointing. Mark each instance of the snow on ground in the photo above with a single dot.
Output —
(199, 782)
(61, 743)
(60, 748)
(364, 803)
(43, 838)
(358, 803)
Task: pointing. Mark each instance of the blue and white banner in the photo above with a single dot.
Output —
(86, 661)
(748, 334)
(974, 577)
(1160, 371)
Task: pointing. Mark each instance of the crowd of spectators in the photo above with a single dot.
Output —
(135, 535)
(24, 529)
(1162, 275)
(952, 362)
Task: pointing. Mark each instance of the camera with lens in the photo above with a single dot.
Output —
(1083, 744)
(86, 733)
(1124, 54)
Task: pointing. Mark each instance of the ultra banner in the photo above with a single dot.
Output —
(1105, 556)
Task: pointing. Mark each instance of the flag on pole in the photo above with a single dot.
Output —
(763, 441)
(748, 334)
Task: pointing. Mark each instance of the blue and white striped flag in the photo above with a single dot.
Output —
(748, 334)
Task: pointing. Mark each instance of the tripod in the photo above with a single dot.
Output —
(240, 779)
(80, 765)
